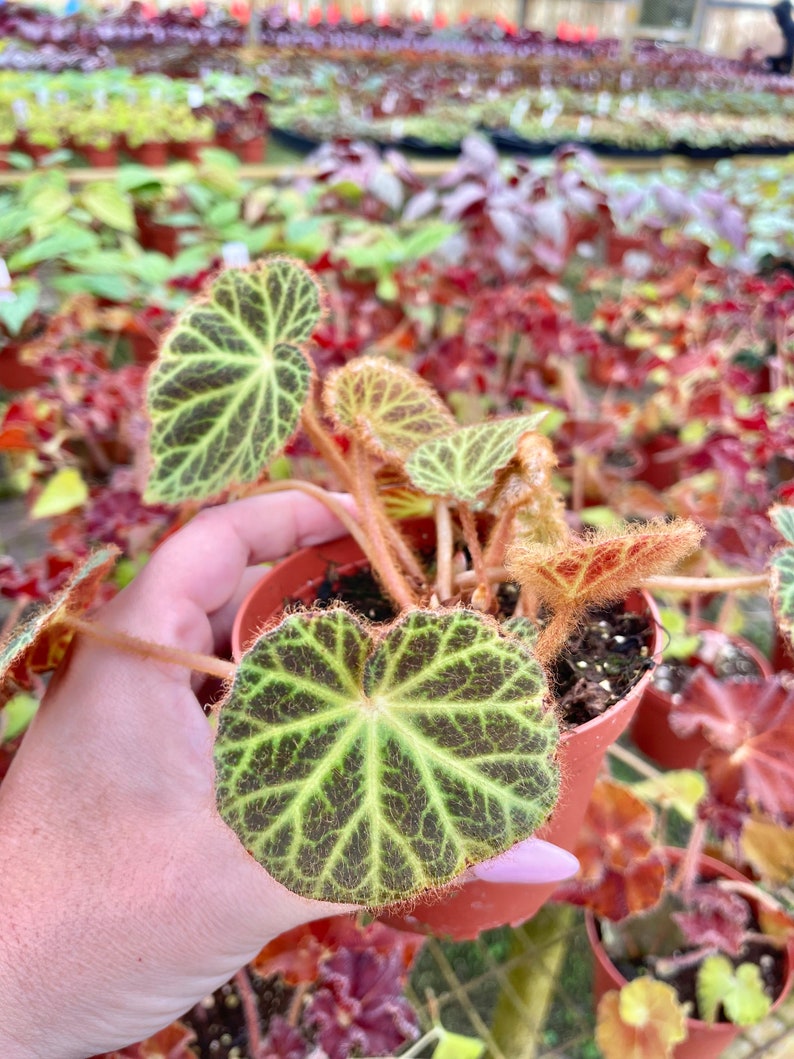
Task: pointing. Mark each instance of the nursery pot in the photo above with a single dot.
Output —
(651, 731)
(151, 154)
(462, 911)
(704, 1040)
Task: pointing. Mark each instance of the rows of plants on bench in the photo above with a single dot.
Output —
(145, 115)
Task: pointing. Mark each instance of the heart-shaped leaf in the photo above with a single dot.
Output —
(369, 767)
(463, 465)
(38, 643)
(231, 381)
(389, 408)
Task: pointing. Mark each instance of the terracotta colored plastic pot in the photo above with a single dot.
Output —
(465, 911)
(252, 152)
(704, 1040)
(650, 730)
(100, 157)
(151, 154)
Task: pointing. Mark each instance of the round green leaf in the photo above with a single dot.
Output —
(390, 408)
(783, 520)
(463, 465)
(371, 767)
(231, 381)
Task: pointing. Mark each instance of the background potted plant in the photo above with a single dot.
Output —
(694, 948)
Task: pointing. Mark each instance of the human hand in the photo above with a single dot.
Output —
(126, 899)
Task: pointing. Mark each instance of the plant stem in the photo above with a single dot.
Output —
(692, 585)
(326, 446)
(378, 550)
(443, 550)
(469, 527)
(214, 667)
(687, 872)
(253, 1027)
(318, 493)
(753, 891)
(746, 583)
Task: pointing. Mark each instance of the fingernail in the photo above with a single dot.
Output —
(532, 861)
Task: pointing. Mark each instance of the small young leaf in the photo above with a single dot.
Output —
(645, 1020)
(739, 991)
(463, 465)
(388, 407)
(228, 389)
(456, 1046)
(16, 715)
(604, 566)
(63, 492)
(679, 789)
(370, 768)
(18, 652)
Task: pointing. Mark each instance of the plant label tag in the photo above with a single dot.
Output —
(548, 117)
(42, 96)
(604, 103)
(626, 80)
(195, 96)
(585, 126)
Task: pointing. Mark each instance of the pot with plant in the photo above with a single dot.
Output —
(672, 694)
(687, 949)
(378, 760)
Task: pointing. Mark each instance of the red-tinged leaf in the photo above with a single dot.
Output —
(171, 1043)
(34, 639)
(621, 872)
(298, 954)
(358, 1008)
(714, 918)
(643, 1021)
(750, 726)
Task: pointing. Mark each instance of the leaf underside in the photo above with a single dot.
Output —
(370, 768)
(227, 391)
(37, 644)
(461, 466)
(389, 408)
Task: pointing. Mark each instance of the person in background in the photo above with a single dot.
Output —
(781, 64)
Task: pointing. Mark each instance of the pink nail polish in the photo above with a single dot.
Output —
(532, 861)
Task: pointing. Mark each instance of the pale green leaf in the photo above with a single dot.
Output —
(63, 492)
(231, 381)
(25, 301)
(370, 767)
(16, 715)
(388, 407)
(461, 466)
(679, 789)
(456, 1046)
(739, 991)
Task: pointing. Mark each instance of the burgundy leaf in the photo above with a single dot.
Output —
(714, 917)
